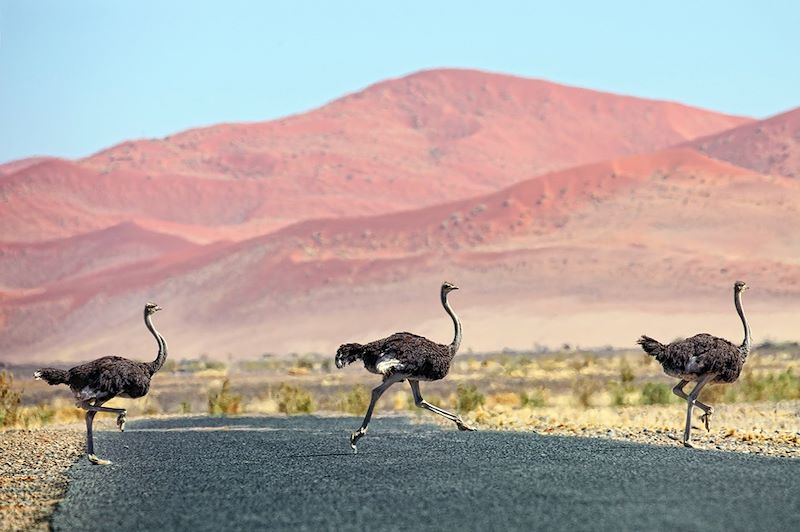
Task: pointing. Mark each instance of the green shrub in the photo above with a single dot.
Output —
(224, 402)
(304, 363)
(584, 389)
(620, 394)
(771, 387)
(10, 400)
(656, 393)
(626, 375)
(468, 397)
(294, 400)
(535, 399)
(356, 400)
(753, 387)
(41, 414)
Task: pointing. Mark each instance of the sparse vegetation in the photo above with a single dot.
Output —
(468, 397)
(294, 400)
(223, 402)
(754, 386)
(511, 383)
(194, 365)
(356, 400)
(10, 400)
(536, 398)
(622, 391)
(656, 393)
(584, 389)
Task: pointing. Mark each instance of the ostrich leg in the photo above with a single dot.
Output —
(707, 410)
(90, 413)
(692, 402)
(121, 413)
(422, 403)
(376, 394)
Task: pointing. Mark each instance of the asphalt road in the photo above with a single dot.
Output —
(299, 473)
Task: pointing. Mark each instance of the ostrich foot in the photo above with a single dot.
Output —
(354, 437)
(98, 461)
(692, 445)
(121, 421)
(706, 419)
(463, 426)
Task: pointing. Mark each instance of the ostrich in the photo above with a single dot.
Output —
(99, 381)
(405, 356)
(704, 359)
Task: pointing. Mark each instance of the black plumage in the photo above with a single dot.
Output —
(103, 379)
(702, 354)
(413, 355)
(704, 359)
(405, 356)
(100, 380)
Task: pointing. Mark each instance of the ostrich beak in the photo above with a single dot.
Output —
(157, 309)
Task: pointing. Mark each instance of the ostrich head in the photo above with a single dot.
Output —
(740, 286)
(151, 308)
(347, 354)
(448, 287)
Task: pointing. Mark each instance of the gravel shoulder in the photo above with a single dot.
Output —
(770, 429)
(33, 473)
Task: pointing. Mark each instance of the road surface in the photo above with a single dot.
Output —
(299, 473)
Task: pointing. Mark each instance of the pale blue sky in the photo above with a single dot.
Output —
(82, 75)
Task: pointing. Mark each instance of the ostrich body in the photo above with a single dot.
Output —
(405, 356)
(99, 381)
(703, 359)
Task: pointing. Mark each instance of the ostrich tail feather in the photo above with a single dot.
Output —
(651, 346)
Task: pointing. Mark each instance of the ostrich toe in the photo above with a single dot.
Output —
(692, 445)
(463, 426)
(354, 437)
(98, 461)
(706, 419)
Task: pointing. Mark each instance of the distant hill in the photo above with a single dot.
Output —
(565, 215)
(769, 146)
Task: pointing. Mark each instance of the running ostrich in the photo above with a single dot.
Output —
(405, 356)
(99, 381)
(704, 359)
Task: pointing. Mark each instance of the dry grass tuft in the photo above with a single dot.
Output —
(224, 402)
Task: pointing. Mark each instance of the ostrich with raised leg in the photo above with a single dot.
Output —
(405, 356)
(99, 381)
(703, 359)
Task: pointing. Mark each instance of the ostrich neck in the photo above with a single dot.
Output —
(162, 345)
(737, 299)
(456, 323)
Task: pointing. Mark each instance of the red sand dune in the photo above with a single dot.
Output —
(20, 164)
(614, 233)
(338, 224)
(770, 146)
(420, 140)
(39, 264)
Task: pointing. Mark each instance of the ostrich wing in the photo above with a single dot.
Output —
(703, 354)
(109, 376)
